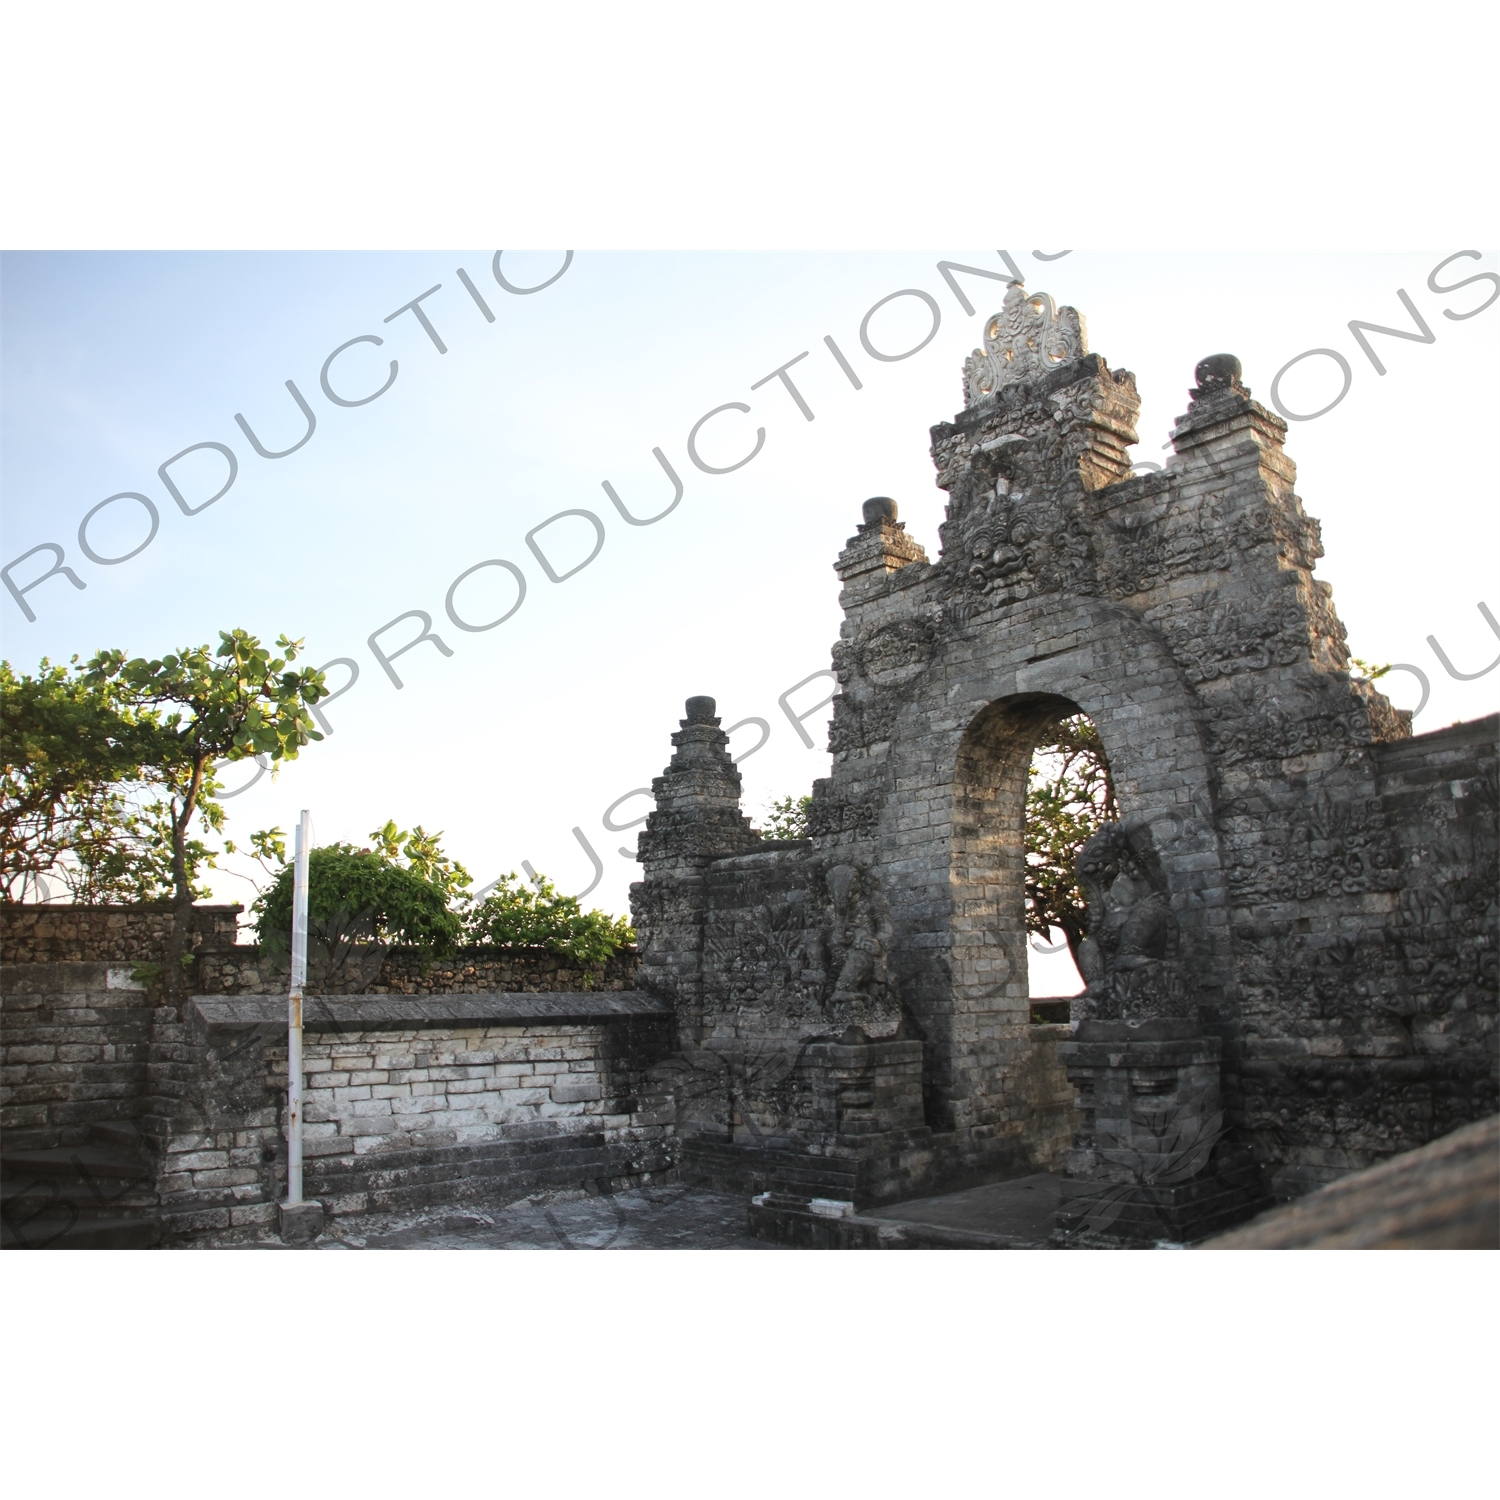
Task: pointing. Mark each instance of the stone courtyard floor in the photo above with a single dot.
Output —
(674, 1217)
(1023, 1209)
(665, 1218)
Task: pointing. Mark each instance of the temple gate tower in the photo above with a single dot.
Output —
(1262, 1010)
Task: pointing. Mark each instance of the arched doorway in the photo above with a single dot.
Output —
(988, 871)
(1008, 1044)
(1070, 795)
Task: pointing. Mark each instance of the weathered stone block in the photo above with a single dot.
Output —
(300, 1223)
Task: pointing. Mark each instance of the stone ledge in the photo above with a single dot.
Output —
(389, 1012)
(69, 978)
(751, 859)
(1442, 1196)
(1421, 754)
(794, 1223)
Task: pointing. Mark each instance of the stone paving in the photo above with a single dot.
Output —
(1023, 1208)
(672, 1217)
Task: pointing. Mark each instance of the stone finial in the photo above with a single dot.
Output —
(1028, 337)
(1217, 375)
(1221, 410)
(697, 813)
(881, 544)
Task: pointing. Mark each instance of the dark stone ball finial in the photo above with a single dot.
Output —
(701, 710)
(880, 508)
(1218, 372)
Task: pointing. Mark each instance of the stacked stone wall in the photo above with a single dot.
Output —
(58, 933)
(244, 970)
(1370, 965)
(140, 935)
(411, 1101)
(77, 1048)
(531, 1078)
(457, 1105)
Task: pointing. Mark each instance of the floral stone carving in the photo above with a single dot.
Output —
(1029, 336)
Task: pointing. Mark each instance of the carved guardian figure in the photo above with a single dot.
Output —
(1130, 958)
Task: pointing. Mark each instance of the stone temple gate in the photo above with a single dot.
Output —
(1292, 958)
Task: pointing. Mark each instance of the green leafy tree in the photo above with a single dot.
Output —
(518, 915)
(207, 706)
(1069, 796)
(786, 817)
(73, 801)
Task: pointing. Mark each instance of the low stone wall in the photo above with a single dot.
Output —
(500, 970)
(244, 970)
(77, 1047)
(121, 1112)
(48, 934)
(136, 935)
(413, 1102)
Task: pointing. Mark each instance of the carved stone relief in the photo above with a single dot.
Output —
(1029, 336)
(1225, 635)
(817, 951)
(1131, 958)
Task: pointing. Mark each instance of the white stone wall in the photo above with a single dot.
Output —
(391, 1090)
(411, 1102)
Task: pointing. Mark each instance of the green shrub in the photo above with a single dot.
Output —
(364, 893)
(518, 915)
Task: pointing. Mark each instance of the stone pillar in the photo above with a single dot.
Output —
(1310, 865)
(857, 1121)
(1150, 1161)
(1277, 636)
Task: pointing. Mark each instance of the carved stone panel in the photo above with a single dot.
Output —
(1131, 958)
(1029, 336)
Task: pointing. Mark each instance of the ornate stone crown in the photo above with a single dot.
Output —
(1025, 339)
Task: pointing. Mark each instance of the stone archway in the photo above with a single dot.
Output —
(1178, 612)
(951, 834)
(988, 869)
(991, 1015)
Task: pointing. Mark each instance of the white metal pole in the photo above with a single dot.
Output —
(294, 1011)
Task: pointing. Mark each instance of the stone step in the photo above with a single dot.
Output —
(58, 1229)
(783, 1219)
